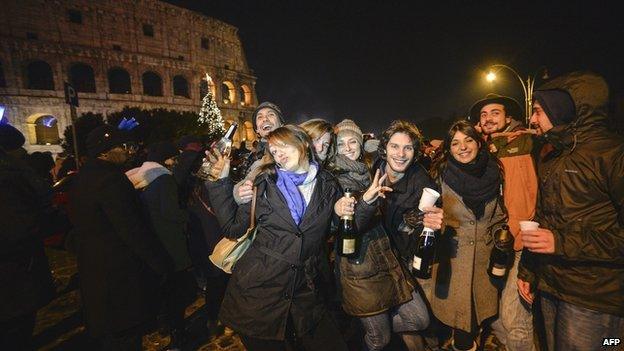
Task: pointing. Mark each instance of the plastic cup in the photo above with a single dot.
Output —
(528, 225)
(428, 198)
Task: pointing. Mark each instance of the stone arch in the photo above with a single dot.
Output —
(250, 134)
(180, 86)
(152, 84)
(119, 81)
(228, 92)
(43, 129)
(245, 95)
(81, 77)
(39, 75)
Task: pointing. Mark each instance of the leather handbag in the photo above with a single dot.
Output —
(228, 251)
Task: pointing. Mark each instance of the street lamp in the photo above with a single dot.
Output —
(527, 87)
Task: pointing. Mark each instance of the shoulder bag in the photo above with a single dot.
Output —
(228, 251)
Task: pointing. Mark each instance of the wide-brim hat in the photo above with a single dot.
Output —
(512, 107)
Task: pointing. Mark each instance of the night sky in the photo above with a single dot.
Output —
(378, 61)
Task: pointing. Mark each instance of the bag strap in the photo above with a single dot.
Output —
(208, 208)
(252, 221)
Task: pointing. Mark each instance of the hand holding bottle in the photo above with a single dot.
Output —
(220, 165)
(433, 217)
(345, 206)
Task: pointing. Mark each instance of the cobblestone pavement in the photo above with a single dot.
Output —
(60, 327)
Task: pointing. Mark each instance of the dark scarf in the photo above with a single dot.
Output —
(351, 174)
(477, 183)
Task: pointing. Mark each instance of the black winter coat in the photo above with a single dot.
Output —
(404, 197)
(25, 207)
(119, 259)
(278, 276)
(167, 219)
(581, 200)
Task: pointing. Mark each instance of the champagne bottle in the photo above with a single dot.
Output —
(425, 251)
(348, 238)
(223, 146)
(500, 256)
(425, 254)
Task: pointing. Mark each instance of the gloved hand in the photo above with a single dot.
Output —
(414, 217)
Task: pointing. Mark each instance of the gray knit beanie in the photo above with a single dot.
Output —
(347, 126)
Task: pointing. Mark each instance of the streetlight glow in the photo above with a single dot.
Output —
(527, 87)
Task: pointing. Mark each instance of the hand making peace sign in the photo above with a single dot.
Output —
(376, 189)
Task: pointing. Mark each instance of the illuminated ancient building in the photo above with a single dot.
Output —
(116, 53)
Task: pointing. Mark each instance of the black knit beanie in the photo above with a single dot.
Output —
(558, 106)
(270, 105)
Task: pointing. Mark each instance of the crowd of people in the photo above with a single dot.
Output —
(143, 223)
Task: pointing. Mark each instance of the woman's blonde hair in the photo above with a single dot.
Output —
(316, 128)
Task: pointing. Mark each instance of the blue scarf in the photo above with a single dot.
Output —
(287, 183)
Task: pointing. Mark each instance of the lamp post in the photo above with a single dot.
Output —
(527, 86)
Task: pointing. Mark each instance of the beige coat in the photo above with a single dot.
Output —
(460, 279)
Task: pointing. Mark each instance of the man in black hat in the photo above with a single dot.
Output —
(25, 216)
(498, 118)
(495, 113)
(120, 261)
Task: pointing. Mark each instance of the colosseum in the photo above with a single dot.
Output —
(116, 53)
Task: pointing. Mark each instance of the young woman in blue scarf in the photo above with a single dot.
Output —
(275, 296)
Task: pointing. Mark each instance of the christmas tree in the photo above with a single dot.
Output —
(210, 115)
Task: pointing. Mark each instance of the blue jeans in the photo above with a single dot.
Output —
(570, 327)
(514, 326)
(411, 316)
